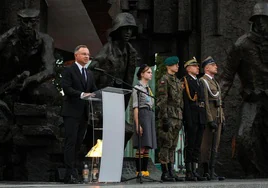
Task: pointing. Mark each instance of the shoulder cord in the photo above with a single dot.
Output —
(188, 91)
(216, 95)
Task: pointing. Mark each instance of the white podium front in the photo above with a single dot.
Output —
(113, 107)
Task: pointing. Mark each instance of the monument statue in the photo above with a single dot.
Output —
(249, 60)
(26, 70)
(27, 61)
(118, 58)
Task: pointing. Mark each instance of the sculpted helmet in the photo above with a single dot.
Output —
(122, 20)
(28, 13)
(260, 9)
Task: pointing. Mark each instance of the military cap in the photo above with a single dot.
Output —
(191, 62)
(208, 60)
(171, 61)
(28, 13)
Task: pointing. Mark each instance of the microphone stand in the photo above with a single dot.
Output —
(139, 177)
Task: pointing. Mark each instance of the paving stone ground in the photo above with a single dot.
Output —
(232, 183)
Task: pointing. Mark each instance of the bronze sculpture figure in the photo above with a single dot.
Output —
(249, 60)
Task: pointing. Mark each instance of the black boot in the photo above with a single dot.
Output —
(213, 175)
(173, 174)
(189, 174)
(195, 173)
(206, 171)
(165, 175)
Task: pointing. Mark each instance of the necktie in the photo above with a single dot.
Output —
(213, 79)
(197, 81)
(84, 74)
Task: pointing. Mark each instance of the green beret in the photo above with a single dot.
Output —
(171, 60)
(191, 62)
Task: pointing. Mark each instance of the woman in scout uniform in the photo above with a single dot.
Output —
(144, 119)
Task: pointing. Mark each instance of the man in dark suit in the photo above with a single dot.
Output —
(194, 119)
(77, 83)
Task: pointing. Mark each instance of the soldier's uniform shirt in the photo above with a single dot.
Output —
(146, 116)
(212, 95)
(194, 119)
(170, 102)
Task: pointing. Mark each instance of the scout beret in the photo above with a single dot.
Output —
(142, 67)
(28, 13)
(208, 60)
(171, 60)
(191, 62)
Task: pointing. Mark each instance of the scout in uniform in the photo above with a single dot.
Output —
(144, 120)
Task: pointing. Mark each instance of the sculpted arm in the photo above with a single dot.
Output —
(230, 69)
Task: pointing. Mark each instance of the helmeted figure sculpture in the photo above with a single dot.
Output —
(249, 60)
(117, 57)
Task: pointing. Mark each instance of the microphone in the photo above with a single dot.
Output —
(99, 69)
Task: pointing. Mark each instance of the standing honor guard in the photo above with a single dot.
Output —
(215, 119)
(170, 105)
(144, 120)
(194, 119)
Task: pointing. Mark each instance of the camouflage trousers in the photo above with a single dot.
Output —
(167, 141)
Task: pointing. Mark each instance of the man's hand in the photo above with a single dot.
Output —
(86, 95)
(213, 125)
(166, 124)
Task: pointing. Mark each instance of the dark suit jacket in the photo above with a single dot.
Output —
(73, 85)
(192, 113)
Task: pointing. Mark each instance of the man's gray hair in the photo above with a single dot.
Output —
(78, 47)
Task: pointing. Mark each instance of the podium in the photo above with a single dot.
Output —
(113, 134)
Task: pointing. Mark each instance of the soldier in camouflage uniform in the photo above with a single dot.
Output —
(170, 104)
